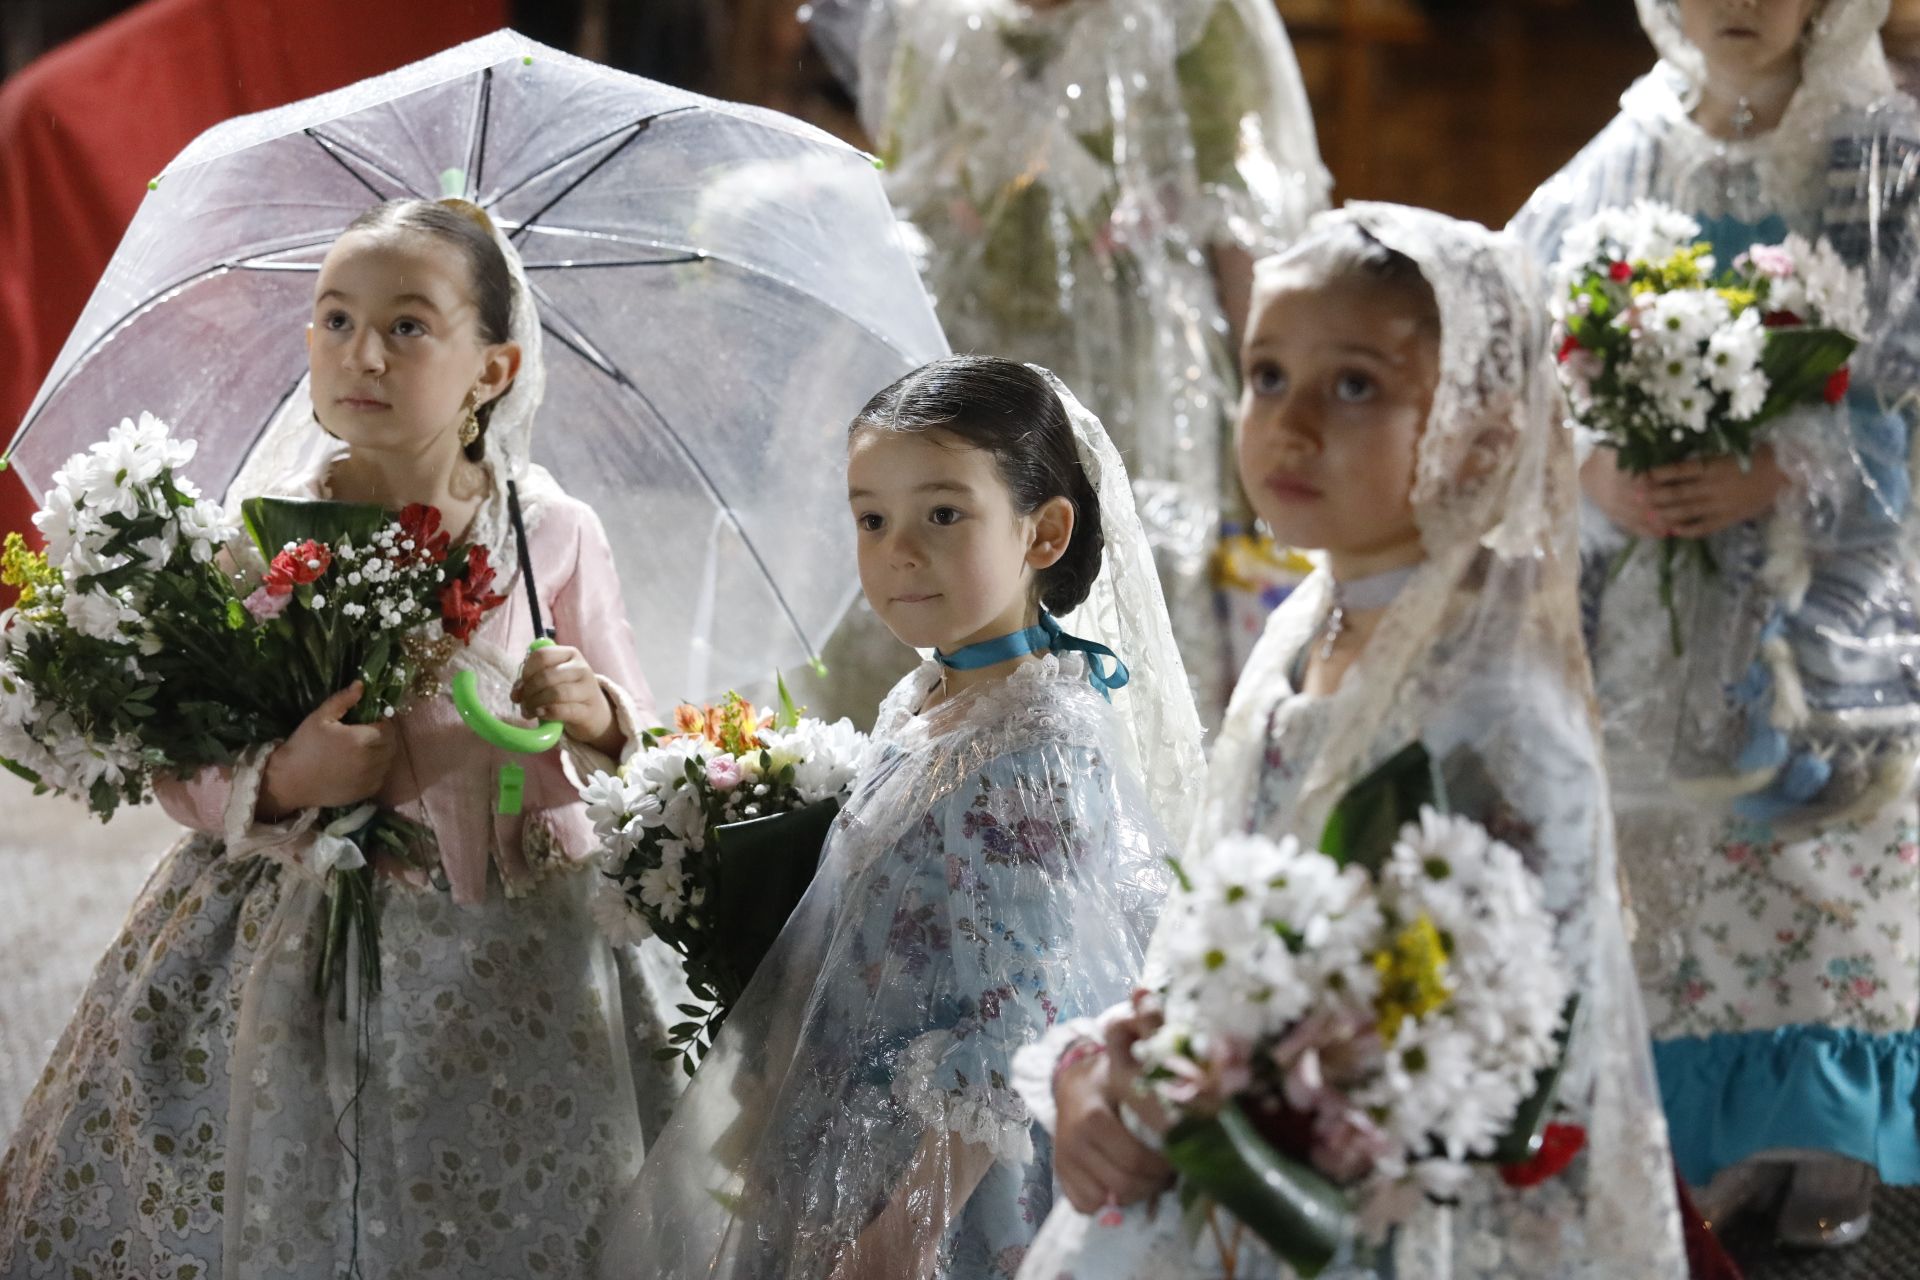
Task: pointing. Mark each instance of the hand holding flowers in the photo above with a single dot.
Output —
(1678, 366)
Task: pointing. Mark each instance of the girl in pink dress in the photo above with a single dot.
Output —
(205, 1113)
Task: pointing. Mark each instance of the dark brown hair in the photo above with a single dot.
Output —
(1010, 411)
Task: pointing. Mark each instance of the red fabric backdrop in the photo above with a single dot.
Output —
(83, 128)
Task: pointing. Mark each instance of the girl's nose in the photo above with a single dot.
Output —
(367, 353)
(904, 551)
(1293, 426)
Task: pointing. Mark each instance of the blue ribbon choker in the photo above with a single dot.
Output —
(1047, 637)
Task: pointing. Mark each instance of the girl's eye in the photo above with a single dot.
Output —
(1266, 379)
(334, 320)
(869, 521)
(408, 328)
(1353, 387)
(946, 515)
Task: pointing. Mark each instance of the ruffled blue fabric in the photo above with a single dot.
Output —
(1732, 1095)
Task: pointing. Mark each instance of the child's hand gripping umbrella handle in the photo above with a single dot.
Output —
(490, 728)
(495, 731)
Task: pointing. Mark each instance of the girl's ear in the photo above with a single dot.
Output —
(500, 367)
(1052, 532)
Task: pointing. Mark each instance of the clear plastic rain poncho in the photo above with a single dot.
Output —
(1478, 658)
(1809, 620)
(1070, 170)
(999, 868)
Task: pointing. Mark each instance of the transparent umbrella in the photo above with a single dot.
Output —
(721, 288)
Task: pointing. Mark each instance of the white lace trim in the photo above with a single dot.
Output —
(580, 761)
(1034, 1065)
(977, 1113)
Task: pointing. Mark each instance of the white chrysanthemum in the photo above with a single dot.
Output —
(662, 767)
(98, 614)
(1733, 351)
(1645, 231)
(826, 758)
(605, 795)
(614, 915)
(664, 890)
(1835, 294)
(1685, 318)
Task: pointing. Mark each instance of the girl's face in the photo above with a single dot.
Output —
(1744, 41)
(1338, 381)
(394, 346)
(945, 560)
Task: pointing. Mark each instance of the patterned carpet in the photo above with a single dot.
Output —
(1891, 1250)
(68, 881)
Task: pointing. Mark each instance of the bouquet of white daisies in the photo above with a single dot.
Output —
(1343, 1031)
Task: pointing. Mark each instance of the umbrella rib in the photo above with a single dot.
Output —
(571, 187)
(577, 342)
(134, 312)
(335, 149)
(477, 151)
(638, 126)
(682, 260)
(745, 268)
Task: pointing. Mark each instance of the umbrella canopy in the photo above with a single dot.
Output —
(721, 289)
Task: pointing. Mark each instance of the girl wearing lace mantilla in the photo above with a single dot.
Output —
(1401, 414)
(998, 869)
(1763, 779)
(1091, 180)
(205, 1113)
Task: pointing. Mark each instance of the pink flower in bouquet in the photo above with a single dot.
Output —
(1620, 272)
(296, 565)
(1771, 260)
(723, 773)
(266, 604)
(1206, 1086)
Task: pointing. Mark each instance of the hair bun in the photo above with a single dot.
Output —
(469, 210)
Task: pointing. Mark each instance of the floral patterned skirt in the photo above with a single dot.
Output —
(1782, 986)
(206, 1115)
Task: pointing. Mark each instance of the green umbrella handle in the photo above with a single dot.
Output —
(494, 730)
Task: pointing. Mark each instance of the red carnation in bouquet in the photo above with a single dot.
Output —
(467, 599)
(295, 565)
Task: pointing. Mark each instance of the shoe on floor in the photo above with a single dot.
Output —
(1828, 1205)
(1748, 1187)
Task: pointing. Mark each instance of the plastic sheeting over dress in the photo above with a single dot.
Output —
(1478, 658)
(1071, 171)
(1763, 778)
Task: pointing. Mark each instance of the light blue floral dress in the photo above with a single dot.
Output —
(996, 872)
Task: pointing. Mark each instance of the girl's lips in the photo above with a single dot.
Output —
(920, 598)
(1284, 485)
(362, 404)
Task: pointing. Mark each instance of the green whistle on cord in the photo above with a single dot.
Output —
(491, 729)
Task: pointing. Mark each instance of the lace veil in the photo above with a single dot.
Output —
(1126, 611)
(1480, 658)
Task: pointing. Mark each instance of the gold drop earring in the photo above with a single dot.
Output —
(470, 429)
